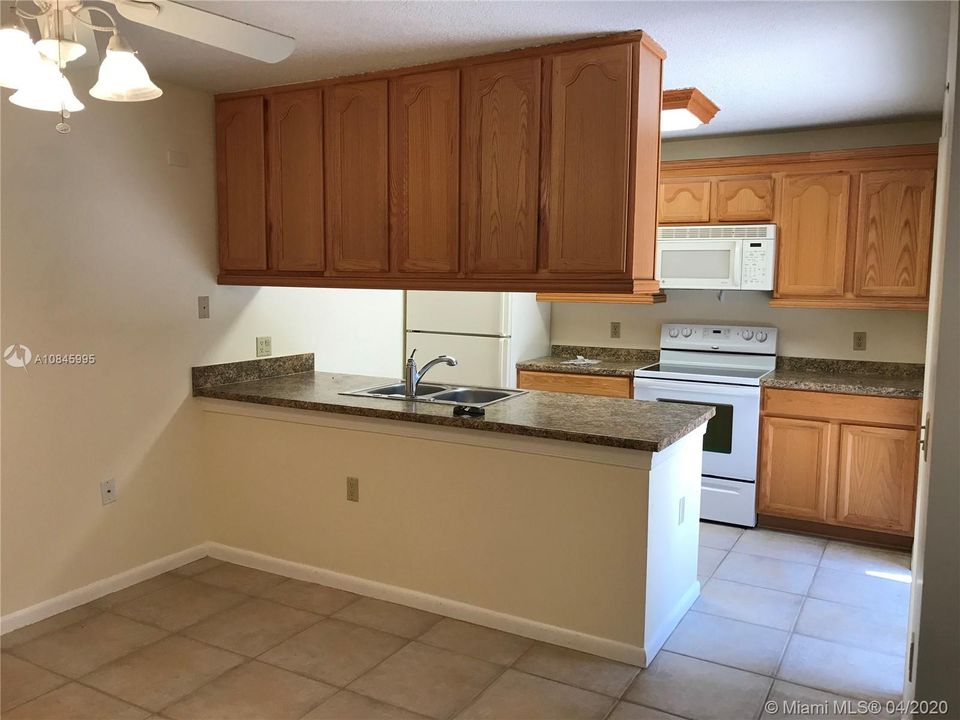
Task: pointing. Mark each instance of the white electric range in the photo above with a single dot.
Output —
(718, 365)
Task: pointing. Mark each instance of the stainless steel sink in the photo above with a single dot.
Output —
(441, 394)
(473, 396)
(398, 389)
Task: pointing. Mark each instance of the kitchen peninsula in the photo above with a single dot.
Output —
(549, 517)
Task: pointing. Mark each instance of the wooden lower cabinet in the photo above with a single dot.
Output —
(795, 468)
(606, 385)
(877, 478)
(841, 460)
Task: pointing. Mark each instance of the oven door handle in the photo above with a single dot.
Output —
(701, 387)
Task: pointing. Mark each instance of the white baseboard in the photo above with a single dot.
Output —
(87, 593)
(613, 649)
(655, 638)
(604, 647)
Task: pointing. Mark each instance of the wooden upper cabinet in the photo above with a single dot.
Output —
(241, 186)
(501, 166)
(357, 208)
(425, 171)
(684, 201)
(743, 199)
(877, 478)
(795, 468)
(295, 155)
(894, 231)
(587, 181)
(812, 246)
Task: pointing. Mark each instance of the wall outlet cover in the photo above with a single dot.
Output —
(108, 491)
(264, 346)
(615, 329)
(203, 307)
(353, 489)
(859, 341)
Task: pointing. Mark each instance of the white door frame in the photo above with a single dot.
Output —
(941, 216)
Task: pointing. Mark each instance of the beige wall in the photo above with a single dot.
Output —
(891, 335)
(105, 249)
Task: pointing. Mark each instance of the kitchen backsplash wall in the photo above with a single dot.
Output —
(892, 335)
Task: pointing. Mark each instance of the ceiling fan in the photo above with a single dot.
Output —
(67, 29)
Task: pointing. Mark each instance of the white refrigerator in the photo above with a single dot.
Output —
(487, 332)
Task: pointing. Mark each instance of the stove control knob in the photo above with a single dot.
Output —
(687, 332)
(747, 334)
(673, 332)
(761, 336)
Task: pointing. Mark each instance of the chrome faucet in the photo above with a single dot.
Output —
(411, 377)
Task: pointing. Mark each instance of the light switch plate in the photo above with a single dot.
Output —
(353, 489)
(264, 346)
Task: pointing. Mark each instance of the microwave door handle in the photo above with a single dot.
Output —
(737, 265)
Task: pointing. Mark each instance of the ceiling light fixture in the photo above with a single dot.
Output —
(35, 70)
(685, 109)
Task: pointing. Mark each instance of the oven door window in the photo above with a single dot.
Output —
(719, 435)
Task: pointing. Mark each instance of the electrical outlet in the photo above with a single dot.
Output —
(683, 510)
(859, 341)
(264, 346)
(614, 329)
(353, 489)
(108, 491)
(203, 307)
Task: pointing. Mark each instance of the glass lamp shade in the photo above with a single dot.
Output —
(60, 51)
(123, 78)
(18, 57)
(47, 89)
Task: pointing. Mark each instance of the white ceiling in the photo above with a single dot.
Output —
(768, 65)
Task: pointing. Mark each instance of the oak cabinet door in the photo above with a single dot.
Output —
(588, 180)
(812, 247)
(877, 478)
(743, 199)
(425, 171)
(296, 180)
(894, 232)
(241, 186)
(501, 166)
(357, 209)
(796, 461)
(684, 201)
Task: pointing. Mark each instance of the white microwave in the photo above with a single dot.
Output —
(716, 257)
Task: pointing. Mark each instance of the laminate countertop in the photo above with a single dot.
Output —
(848, 377)
(613, 422)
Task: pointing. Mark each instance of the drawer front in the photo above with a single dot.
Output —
(866, 409)
(582, 384)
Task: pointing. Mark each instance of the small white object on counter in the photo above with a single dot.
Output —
(580, 360)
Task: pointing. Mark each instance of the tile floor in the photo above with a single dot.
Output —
(780, 616)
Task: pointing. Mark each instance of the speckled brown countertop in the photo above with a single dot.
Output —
(613, 361)
(613, 422)
(851, 377)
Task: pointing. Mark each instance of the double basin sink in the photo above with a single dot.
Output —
(442, 394)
